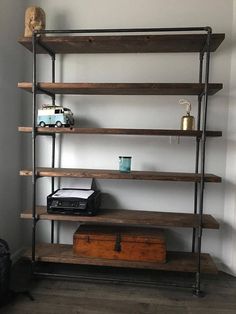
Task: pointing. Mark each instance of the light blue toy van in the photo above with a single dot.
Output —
(57, 116)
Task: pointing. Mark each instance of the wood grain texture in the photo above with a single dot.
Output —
(136, 244)
(176, 261)
(116, 174)
(125, 43)
(121, 88)
(119, 131)
(131, 218)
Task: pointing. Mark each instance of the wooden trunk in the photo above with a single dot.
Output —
(130, 244)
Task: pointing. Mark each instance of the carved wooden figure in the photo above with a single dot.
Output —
(34, 20)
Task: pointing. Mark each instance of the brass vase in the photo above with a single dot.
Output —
(187, 122)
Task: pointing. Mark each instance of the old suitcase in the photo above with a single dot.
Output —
(130, 244)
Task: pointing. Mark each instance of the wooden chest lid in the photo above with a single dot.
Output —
(126, 234)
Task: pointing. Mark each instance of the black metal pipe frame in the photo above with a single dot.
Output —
(201, 57)
(197, 290)
(53, 57)
(43, 91)
(50, 52)
(53, 181)
(36, 88)
(34, 133)
(35, 39)
(123, 30)
(113, 280)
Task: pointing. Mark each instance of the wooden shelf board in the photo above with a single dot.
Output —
(119, 131)
(121, 88)
(130, 218)
(176, 261)
(125, 43)
(116, 174)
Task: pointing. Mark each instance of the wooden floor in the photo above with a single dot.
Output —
(89, 296)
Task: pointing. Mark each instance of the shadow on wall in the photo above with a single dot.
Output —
(229, 232)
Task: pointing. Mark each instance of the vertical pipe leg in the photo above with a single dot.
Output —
(198, 291)
(53, 148)
(34, 90)
(197, 149)
(53, 183)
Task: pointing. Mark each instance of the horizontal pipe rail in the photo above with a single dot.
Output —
(113, 280)
(124, 30)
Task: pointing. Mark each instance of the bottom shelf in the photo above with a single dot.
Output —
(176, 261)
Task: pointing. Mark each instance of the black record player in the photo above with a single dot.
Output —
(74, 202)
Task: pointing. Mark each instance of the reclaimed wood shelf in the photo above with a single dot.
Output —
(121, 88)
(124, 43)
(116, 174)
(119, 131)
(130, 218)
(176, 261)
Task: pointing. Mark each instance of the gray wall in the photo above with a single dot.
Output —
(229, 222)
(11, 68)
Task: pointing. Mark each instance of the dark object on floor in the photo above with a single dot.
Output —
(5, 267)
(6, 293)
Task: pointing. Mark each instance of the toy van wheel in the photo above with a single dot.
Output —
(58, 124)
(42, 124)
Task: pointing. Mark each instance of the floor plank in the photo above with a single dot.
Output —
(100, 297)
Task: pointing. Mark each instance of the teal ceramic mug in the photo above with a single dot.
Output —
(125, 163)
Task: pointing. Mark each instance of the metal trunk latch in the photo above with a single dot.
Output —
(117, 247)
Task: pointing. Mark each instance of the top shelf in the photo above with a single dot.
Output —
(121, 88)
(124, 43)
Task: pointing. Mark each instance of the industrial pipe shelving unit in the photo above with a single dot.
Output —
(98, 42)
